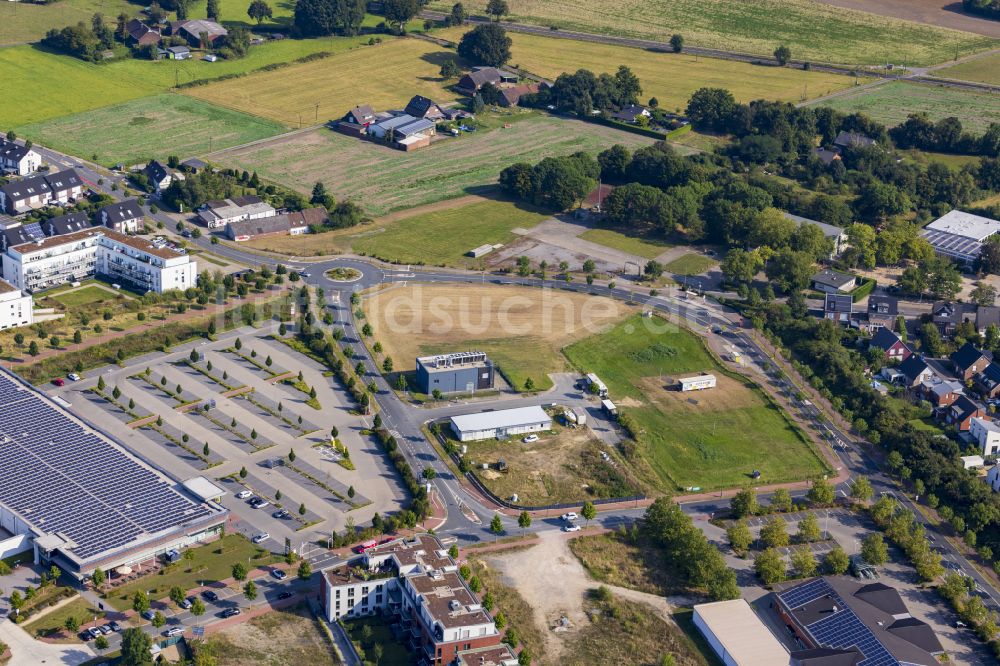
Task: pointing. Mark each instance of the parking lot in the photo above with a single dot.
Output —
(237, 402)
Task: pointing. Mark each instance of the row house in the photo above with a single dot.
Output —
(987, 382)
(125, 217)
(968, 361)
(838, 308)
(39, 190)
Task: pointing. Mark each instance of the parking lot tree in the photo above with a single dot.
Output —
(820, 493)
(744, 503)
(239, 571)
(836, 561)
(243, 472)
(305, 570)
(809, 529)
(136, 645)
(250, 591)
(100, 384)
(197, 607)
(740, 537)
(874, 550)
(158, 620)
(773, 533)
(176, 594)
(770, 566)
(803, 563)
(205, 450)
(302, 509)
(253, 434)
(781, 500)
(238, 344)
(101, 643)
(140, 601)
(588, 511)
(861, 489)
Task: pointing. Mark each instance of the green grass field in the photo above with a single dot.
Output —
(690, 264)
(812, 30)
(671, 78)
(981, 70)
(54, 622)
(22, 22)
(382, 179)
(87, 295)
(443, 237)
(649, 248)
(892, 102)
(150, 127)
(731, 431)
(60, 85)
(385, 76)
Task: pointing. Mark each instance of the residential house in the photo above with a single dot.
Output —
(948, 316)
(200, 32)
(510, 97)
(36, 191)
(837, 236)
(140, 34)
(853, 139)
(362, 115)
(288, 224)
(987, 382)
(890, 343)
(178, 52)
(839, 308)
(915, 370)
(66, 224)
(968, 361)
(993, 478)
(422, 107)
(831, 282)
(125, 217)
(941, 392)
(18, 159)
(826, 156)
(472, 82)
(987, 435)
(160, 175)
(219, 213)
(961, 412)
(631, 114)
(881, 313)
(986, 316)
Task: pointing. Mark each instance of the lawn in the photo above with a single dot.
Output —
(648, 248)
(811, 30)
(520, 328)
(981, 70)
(54, 622)
(378, 632)
(383, 180)
(713, 439)
(385, 76)
(690, 264)
(87, 295)
(60, 85)
(671, 78)
(212, 562)
(150, 127)
(893, 102)
(22, 22)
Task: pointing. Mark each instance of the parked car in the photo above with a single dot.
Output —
(244, 494)
(173, 631)
(106, 629)
(59, 381)
(209, 595)
(278, 574)
(115, 626)
(261, 504)
(530, 438)
(572, 527)
(569, 516)
(280, 513)
(230, 612)
(73, 377)
(94, 632)
(285, 595)
(186, 603)
(149, 614)
(263, 536)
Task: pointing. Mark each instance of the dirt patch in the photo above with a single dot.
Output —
(940, 13)
(282, 637)
(728, 394)
(629, 402)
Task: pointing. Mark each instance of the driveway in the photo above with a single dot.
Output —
(26, 651)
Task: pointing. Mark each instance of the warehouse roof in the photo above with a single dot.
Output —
(504, 418)
(964, 224)
(742, 634)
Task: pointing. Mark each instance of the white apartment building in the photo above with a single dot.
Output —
(15, 306)
(987, 434)
(76, 256)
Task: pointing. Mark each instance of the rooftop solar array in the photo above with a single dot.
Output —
(947, 243)
(841, 630)
(63, 478)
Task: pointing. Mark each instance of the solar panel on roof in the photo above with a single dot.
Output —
(34, 230)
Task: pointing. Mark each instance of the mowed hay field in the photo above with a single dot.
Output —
(385, 76)
(670, 78)
(813, 31)
(981, 70)
(150, 127)
(521, 328)
(892, 102)
(382, 179)
(711, 439)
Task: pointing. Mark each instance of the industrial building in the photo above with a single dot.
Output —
(960, 235)
(737, 635)
(696, 382)
(79, 500)
(217, 214)
(466, 372)
(500, 424)
(418, 584)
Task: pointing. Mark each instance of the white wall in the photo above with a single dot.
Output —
(14, 545)
(709, 635)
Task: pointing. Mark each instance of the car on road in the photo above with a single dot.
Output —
(230, 612)
(148, 614)
(280, 514)
(278, 574)
(209, 595)
(530, 438)
(59, 381)
(258, 538)
(569, 516)
(303, 274)
(285, 595)
(572, 527)
(186, 603)
(73, 377)
(173, 631)
(244, 494)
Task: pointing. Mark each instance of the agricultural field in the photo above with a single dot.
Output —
(150, 127)
(712, 439)
(382, 179)
(670, 78)
(22, 22)
(60, 85)
(985, 69)
(385, 76)
(648, 247)
(813, 31)
(521, 328)
(892, 102)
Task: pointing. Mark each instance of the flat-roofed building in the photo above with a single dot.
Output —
(219, 213)
(16, 307)
(960, 235)
(500, 424)
(737, 635)
(458, 372)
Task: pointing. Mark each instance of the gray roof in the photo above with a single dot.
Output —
(845, 139)
(66, 224)
(122, 211)
(832, 278)
(503, 418)
(829, 230)
(414, 127)
(11, 151)
(838, 303)
(883, 306)
(395, 121)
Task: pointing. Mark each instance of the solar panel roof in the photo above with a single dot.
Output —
(61, 477)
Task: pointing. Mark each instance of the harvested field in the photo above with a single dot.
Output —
(521, 328)
(670, 77)
(385, 76)
(893, 102)
(382, 179)
(940, 13)
(812, 30)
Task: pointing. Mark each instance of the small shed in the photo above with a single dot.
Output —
(972, 462)
(480, 251)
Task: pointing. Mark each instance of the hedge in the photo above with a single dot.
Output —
(863, 290)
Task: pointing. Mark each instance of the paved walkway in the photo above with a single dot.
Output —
(26, 651)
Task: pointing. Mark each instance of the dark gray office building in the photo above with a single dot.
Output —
(463, 372)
